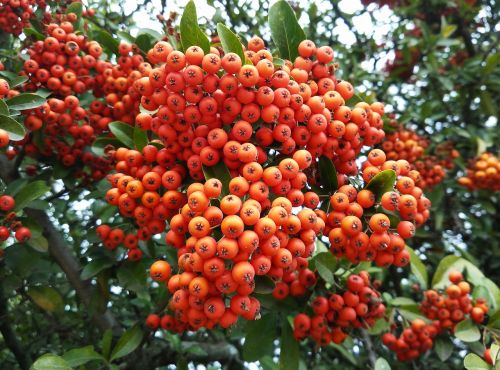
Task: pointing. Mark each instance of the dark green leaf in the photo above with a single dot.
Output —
(128, 342)
(47, 298)
(381, 183)
(123, 132)
(19, 80)
(25, 101)
(92, 268)
(260, 335)
(32, 32)
(328, 174)
(467, 331)
(264, 285)
(14, 129)
(285, 29)
(474, 362)
(230, 42)
(4, 109)
(50, 362)
(102, 142)
(80, 356)
(289, 350)
(38, 243)
(144, 42)
(108, 42)
(191, 33)
(106, 341)
(29, 192)
(140, 138)
(326, 266)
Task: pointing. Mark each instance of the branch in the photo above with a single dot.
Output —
(9, 336)
(372, 356)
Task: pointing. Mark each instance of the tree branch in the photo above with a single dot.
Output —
(9, 336)
(372, 356)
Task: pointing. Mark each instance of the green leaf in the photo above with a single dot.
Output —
(106, 341)
(345, 352)
(32, 32)
(402, 301)
(418, 268)
(17, 81)
(444, 267)
(109, 43)
(444, 348)
(481, 291)
(382, 183)
(382, 364)
(411, 312)
(29, 192)
(494, 321)
(128, 342)
(326, 265)
(38, 243)
(264, 285)
(328, 174)
(102, 142)
(221, 172)
(4, 109)
(80, 356)
(230, 42)
(191, 33)
(77, 8)
(289, 350)
(140, 138)
(474, 362)
(47, 298)
(448, 30)
(285, 30)
(123, 132)
(144, 42)
(487, 103)
(494, 352)
(50, 362)
(467, 331)
(260, 335)
(491, 63)
(94, 267)
(25, 101)
(14, 129)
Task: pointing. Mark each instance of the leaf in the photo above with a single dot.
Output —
(444, 348)
(140, 138)
(382, 364)
(77, 8)
(221, 172)
(128, 342)
(264, 285)
(467, 331)
(17, 81)
(418, 268)
(494, 352)
(487, 103)
(106, 40)
(46, 297)
(411, 312)
(4, 109)
(474, 362)
(191, 33)
(14, 129)
(382, 183)
(25, 101)
(326, 265)
(29, 192)
(444, 267)
(50, 362)
(260, 335)
(102, 142)
(80, 356)
(38, 243)
(328, 174)
(481, 291)
(402, 301)
(32, 32)
(285, 30)
(94, 267)
(106, 341)
(491, 63)
(448, 30)
(144, 42)
(494, 321)
(289, 350)
(230, 42)
(123, 132)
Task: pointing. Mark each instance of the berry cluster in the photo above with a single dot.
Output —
(413, 341)
(483, 173)
(453, 307)
(358, 225)
(15, 14)
(8, 222)
(337, 314)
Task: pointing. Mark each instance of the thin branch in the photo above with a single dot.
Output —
(372, 356)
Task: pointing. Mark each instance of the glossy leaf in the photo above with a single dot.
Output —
(92, 268)
(4, 109)
(474, 362)
(259, 338)
(285, 29)
(80, 356)
(14, 129)
(140, 138)
(47, 298)
(230, 42)
(264, 285)
(29, 192)
(418, 268)
(128, 343)
(467, 331)
(382, 183)
(328, 174)
(123, 132)
(38, 243)
(326, 265)
(25, 101)
(50, 362)
(289, 350)
(100, 144)
(191, 33)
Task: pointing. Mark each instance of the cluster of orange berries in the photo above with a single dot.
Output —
(483, 173)
(453, 307)
(407, 144)
(358, 225)
(63, 61)
(337, 314)
(299, 104)
(9, 222)
(413, 341)
(15, 14)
